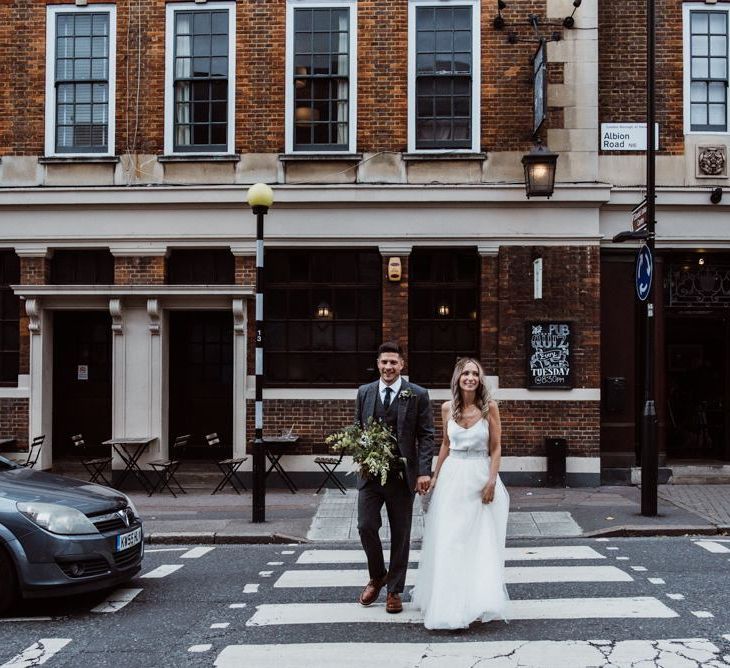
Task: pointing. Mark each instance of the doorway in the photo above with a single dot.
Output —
(82, 381)
(201, 380)
(697, 386)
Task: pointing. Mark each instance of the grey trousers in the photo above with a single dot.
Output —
(398, 500)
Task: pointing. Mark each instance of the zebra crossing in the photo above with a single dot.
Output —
(313, 594)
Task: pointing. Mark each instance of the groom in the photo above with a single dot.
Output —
(406, 409)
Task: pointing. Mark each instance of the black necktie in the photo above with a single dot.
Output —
(388, 392)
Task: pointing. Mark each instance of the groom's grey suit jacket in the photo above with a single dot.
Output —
(415, 426)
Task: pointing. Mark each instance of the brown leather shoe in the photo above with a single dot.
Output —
(393, 604)
(370, 594)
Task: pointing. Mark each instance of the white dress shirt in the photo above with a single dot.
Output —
(395, 387)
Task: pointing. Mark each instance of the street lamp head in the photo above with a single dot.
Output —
(539, 165)
(260, 195)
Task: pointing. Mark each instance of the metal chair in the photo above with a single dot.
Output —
(228, 467)
(34, 451)
(329, 466)
(166, 468)
(95, 466)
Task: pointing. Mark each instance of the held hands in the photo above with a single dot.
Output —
(488, 491)
(423, 482)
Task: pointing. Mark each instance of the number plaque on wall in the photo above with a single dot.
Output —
(549, 355)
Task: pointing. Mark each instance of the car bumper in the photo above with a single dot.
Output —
(50, 565)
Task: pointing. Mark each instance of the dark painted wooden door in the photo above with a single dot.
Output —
(82, 380)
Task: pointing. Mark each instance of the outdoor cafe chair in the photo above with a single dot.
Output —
(34, 451)
(228, 467)
(329, 467)
(95, 465)
(166, 468)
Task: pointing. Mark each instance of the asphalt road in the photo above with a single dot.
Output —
(682, 594)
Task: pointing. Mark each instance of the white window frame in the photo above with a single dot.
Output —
(291, 5)
(476, 74)
(170, 11)
(52, 12)
(687, 8)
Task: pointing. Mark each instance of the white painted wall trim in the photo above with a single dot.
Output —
(50, 122)
(171, 9)
(292, 5)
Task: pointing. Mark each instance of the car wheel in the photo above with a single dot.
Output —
(8, 593)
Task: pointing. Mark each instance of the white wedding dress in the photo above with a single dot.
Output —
(460, 577)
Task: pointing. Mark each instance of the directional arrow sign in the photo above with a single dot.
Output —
(644, 272)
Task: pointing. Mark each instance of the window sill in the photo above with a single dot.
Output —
(415, 157)
(320, 157)
(78, 159)
(200, 157)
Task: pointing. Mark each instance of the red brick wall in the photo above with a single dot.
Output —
(33, 271)
(139, 270)
(525, 424)
(622, 67)
(395, 306)
(571, 278)
(246, 275)
(260, 62)
(14, 421)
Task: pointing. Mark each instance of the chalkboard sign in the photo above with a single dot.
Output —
(549, 355)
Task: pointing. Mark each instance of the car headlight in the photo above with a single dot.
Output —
(57, 519)
(132, 507)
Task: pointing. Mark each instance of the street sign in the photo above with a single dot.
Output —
(644, 272)
(638, 216)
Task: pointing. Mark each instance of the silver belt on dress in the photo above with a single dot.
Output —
(468, 454)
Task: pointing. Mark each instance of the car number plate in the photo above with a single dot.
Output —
(127, 540)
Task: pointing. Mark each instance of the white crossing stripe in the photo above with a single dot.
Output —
(513, 575)
(287, 552)
(556, 608)
(265, 574)
(274, 563)
(506, 653)
(639, 569)
(250, 588)
(712, 546)
(162, 571)
(235, 606)
(656, 581)
(676, 597)
(196, 552)
(549, 553)
(11, 620)
(200, 648)
(220, 625)
(117, 600)
(702, 614)
(37, 654)
(165, 549)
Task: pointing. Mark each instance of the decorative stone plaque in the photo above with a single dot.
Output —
(712, 162)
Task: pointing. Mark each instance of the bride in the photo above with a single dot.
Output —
(461, 574)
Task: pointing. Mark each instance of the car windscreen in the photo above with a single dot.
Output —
(6, 464)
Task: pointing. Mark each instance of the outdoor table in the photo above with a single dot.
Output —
(275, 448)
(137, 445)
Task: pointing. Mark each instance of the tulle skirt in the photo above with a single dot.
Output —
(460, 577)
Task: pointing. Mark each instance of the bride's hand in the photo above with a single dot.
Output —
(432, 485)
(488, 492)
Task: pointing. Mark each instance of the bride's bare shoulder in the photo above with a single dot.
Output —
(446, 408)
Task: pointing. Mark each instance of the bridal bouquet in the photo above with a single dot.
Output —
(372, 447)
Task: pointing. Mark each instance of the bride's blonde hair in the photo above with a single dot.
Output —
(483, 394)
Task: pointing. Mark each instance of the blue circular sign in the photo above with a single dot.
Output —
(644, 272)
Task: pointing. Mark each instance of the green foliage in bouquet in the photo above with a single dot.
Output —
(371, 447)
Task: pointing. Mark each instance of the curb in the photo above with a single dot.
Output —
(210, 538)
(655, 530)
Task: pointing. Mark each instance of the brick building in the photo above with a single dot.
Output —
(390, 130)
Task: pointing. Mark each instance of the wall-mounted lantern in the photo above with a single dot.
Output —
(539, 165)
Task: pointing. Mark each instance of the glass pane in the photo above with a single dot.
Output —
(218, 134)
(699, 22)
(82, 47)
(98, 68)
(425, 62)
(717, 114)
(183, 68)
(699, 45)
(346, 338)
(716, 92)
(220, 23)
(183, 23)
(219, 67)
(698, 114)
(462, 62)
(425, 41)
(425, 18)
(65, 93)
(83, 92)
(65, 114)
(462, 41)
(220, 45)
(64, 137)
(182, 91)
(444, 18)
(442, 106)
(219, 90)
(718, 46)
(82, 69)
(200, 134)
(424, 130)
(101, 24)
(461, 106)
(321, 19)
(443, 62)
(303, 42)
(718, 23)
(201, 23)
(699, 68)
(303, 19)
(83, 113)
(321, 42)
(424, 106)
(99, 116)
(444, 41)
(99, 47)
(82, 24)
(64, 47)
(64, 70)
(201, 45)
(299, 336)
(718, 68)
(201, 67)
(65, 25)
(462, 18)
(218, 112)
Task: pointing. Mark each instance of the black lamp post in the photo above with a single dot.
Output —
(539, 165)
(260, 197)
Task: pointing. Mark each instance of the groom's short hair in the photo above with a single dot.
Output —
(390, 347)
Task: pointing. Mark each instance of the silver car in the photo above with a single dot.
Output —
(62, 536)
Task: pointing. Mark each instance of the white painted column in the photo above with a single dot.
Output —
(240, 348)
(40, 419)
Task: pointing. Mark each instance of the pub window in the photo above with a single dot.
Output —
(444, 312)
(706, 75)
(200, 78)
(323, 317)
(9, 318)
(321, 65)
(82, 267)
(80, 86)
(210, 266)
(444, 77)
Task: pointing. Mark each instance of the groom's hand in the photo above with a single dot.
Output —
(423, 482)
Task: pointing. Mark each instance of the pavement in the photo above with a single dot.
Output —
(535, 512)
